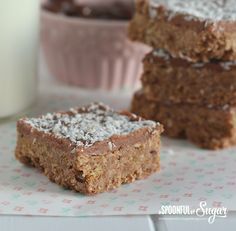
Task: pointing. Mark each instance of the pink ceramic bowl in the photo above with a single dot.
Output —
(90, 53)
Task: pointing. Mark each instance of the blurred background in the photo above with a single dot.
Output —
(78, 44)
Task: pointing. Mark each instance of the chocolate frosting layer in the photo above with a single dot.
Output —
(85, 126)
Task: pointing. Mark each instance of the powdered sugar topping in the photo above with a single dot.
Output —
(215, 10)
(94, 123)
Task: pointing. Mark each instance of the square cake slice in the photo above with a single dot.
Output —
(175, 80)
(198, 30)
(91, 149)
(210, 128)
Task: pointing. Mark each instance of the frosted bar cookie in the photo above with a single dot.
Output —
(175, 80)
(210, 128)
(91, 149)
(198, 30)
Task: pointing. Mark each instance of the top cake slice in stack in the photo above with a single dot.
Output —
(198, 30)
(191, 70)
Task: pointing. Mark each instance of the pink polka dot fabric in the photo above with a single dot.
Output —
(188, 175)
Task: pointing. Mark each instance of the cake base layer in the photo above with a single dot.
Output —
(168, 79)
(210, 128)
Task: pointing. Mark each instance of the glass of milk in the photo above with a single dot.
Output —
(19, 21)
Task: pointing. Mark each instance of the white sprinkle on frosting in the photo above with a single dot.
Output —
(161, 54)
(228, 65)
(214, 10)
(85, 126)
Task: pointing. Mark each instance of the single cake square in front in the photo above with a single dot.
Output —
(91, 149)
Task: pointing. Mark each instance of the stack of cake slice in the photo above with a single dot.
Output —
(189, 79)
